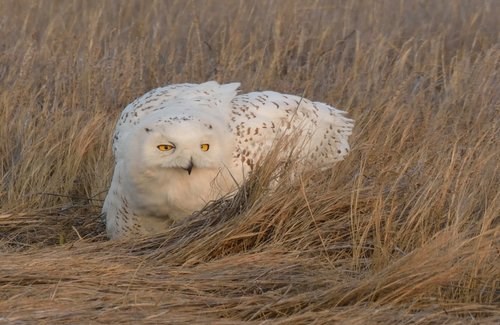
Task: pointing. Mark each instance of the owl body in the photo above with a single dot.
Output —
(179, 147)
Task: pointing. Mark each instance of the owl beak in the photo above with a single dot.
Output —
(189, 167)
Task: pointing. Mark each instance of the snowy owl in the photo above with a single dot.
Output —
(178, 147)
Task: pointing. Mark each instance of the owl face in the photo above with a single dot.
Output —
(182, 141)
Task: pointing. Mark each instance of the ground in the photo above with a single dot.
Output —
(405, 230)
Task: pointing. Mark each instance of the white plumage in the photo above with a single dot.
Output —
(178, 147)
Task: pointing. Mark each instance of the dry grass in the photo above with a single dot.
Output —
(405, 230)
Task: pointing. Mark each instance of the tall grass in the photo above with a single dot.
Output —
(405, 230)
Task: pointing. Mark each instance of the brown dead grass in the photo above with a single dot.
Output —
(405, 230)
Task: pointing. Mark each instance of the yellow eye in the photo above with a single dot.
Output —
(205, 147)
(165, 147)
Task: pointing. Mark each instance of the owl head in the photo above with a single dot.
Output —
(181, 139)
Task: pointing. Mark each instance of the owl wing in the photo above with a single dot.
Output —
(258, 118)
(209, 95)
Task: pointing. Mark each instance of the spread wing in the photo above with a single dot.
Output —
(257, 119)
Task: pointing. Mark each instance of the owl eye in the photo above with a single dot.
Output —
(165, 147)
(205, 147)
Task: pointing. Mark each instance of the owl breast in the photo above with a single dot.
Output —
(173, 193)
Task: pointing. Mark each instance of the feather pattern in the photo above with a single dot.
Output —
(178, 147)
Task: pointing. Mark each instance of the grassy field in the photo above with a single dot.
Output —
(406, 230)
